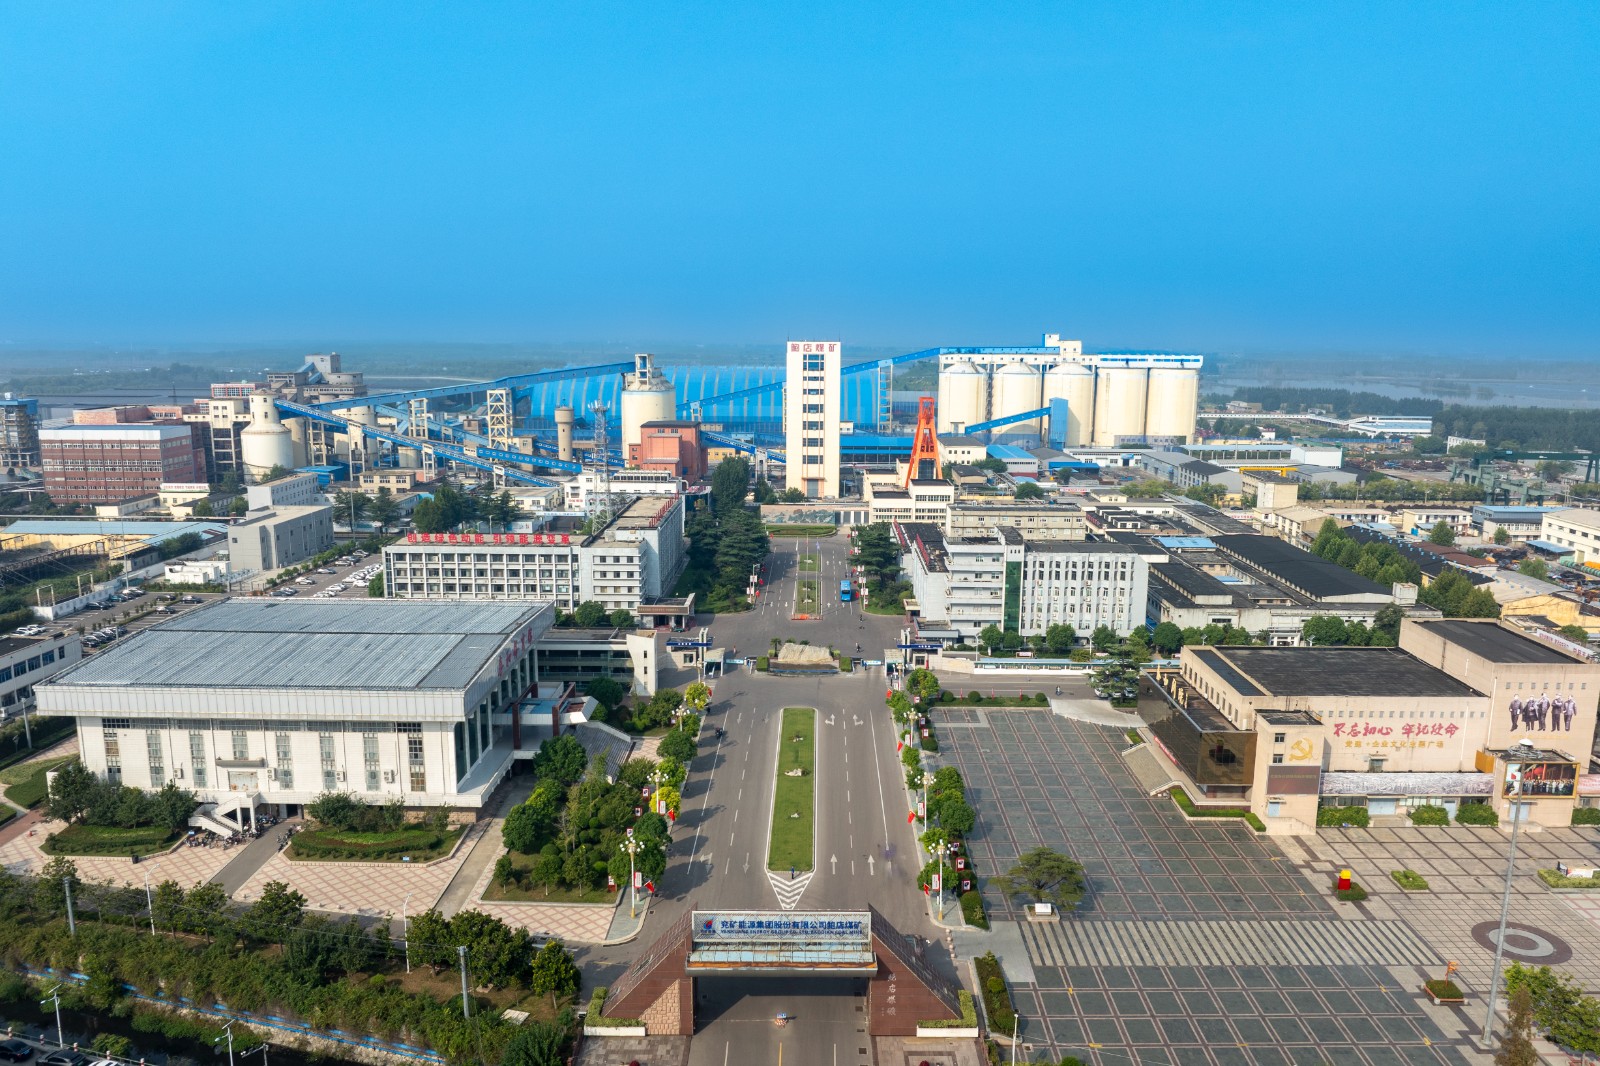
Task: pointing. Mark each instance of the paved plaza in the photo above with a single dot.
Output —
(187, 866)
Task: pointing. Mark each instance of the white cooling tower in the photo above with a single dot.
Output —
(1074, 383)
(265, 442)
(1119, 395)
(647, 396)
(1016, 389)
(963, 397)
(1173, 398)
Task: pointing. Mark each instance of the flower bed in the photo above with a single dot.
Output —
(420, 843)
(996, 998)
(1409, 880)
(1443, 991)
(943, 1027)
(1555, 880)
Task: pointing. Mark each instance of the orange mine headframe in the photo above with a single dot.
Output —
(924, 444)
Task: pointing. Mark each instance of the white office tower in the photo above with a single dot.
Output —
(1173, 398)
(811, 415)
(1119, 398)
(647, 396)
(1016, 389)
(963, 397)
(265, 442)
(1074, 383)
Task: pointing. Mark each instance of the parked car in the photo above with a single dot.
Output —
(65, 1057)
(190, 599)
(305, 581)
(15, 1051)
(324, 570)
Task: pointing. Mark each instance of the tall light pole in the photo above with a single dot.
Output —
(466, 1002)
(55, 995)
(227, 1033)
(262, 1049)
(631, 846)
(1519, 754)
(405, 930)
(148, 901)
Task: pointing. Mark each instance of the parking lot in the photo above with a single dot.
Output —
(1198, 943)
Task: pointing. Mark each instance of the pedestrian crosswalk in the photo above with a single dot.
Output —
(788, 891)
(1226, 943)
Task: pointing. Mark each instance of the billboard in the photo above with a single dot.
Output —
(748, 926)
(1541, 712)
(1541, 779)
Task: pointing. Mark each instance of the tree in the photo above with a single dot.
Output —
(428, 517)
(238, 506)
(609, 692)
(954, 813)
(1323, 630)
(536, 1043)
(1516, 1044)
(991, 464)
(697, 696)
(1442, 534)
(375, 587)
(50, 890)
(924, 683)
(351, 506)
(677, 745)
(793, 495)
(1104, 638)
(497, 953)
(591, 614)
(1535, 567)
(1029, 490)
(1501, 536)
(429, 942)
(561, 758)
(621, 618)
(71, 792)
(173, 806)
(990, 637)
(384, 510)
(1011, 641)
(276, 914)
(1167, 638)
(166, 903)
(202, 509)
(764, 492)
(1575, 633)
(1060, 638)
(730, 482)
(274, 472)
(1044, 876)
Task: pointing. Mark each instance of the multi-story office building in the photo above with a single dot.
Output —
(811, 415)
(258, 703)
(26, 661)
(293, 490)
(104, 464)
(630, 565)
(271, 539)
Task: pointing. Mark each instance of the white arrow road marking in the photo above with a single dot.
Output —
(872, 867)
(834, 862)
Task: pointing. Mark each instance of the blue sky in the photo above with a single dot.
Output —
(1381, 177)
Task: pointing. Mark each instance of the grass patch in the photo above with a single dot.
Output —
(46, 731)
(1409, 880)
(521, 866)
(996, 998)
(846, 663)
(801, 531)
(7, 813)
(109, 840)
(806, 596)
(968, 1019)
(334, 845)
(1187, 806)
(597, 1016)
(27, 789)
(808, 561)
(1555, 880)
(977, 699)
(972, 909)
(1134, 737)
(792, 836)
(1354, 894)
(874, 605)
(1439, 988)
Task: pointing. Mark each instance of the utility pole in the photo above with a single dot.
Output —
(1516, 812)
(55, 995)
(405, 930)
(466, 1004)
(227, 1033)
(72, 921)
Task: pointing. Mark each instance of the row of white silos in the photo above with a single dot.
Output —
(1108, 402)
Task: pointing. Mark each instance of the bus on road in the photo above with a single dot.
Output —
(844, 591)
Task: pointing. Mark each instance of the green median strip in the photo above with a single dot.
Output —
(806, 600)
(794, 795)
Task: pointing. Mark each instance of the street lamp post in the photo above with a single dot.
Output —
(466, 1003)
(1519, 753)
(405, 930)
(262, 1049)
(149, 902)
(631, 846)
(227, 1033)
(55, 995)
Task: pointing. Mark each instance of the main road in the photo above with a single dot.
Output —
(865, 850)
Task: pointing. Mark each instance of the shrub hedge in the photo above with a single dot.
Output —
(1476, 814)
(972, 909)
(1352, 816)
(1555, 880)
(968, 1019)
(1586, 816)
(1430, 814)
(1354, 894)
(996, 999)
(421, 843)
(1409, 879)
(1187, 806)
(109, 840)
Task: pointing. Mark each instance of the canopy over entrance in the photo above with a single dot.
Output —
(658, 989)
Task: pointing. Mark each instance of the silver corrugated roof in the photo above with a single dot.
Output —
(383, 644)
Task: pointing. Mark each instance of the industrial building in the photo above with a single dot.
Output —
(1519, 521)
(1575, 530)
(276, 537)
(631, 564)
(27, 661)
(964, 584)
(19, 435)
(1461, 712)
(672, 447)
(105, 464)
(263, 703)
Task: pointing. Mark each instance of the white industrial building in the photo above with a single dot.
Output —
(647, 396)
(812, 410)
(278, 537)
(262, 703)
(1576, 529)
(632, 564)
(1110, 400)
(26, 661)
(1002, 579)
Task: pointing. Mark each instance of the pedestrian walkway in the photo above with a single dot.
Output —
(464, 889)
(250, 858)
(359, 888)
(1226, 943)
(22, 854)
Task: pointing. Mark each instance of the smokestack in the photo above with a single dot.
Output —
(564, 417)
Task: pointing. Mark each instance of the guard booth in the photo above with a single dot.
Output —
(902, 990)
(690, 651)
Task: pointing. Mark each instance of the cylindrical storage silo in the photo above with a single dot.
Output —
(1119, 395)
(647, 396)
(564, 419)
(1173, 398)
(963, 397)
(408, 458)
(265, 442)
(1074, 383)
(299, 434)
(1016, 389)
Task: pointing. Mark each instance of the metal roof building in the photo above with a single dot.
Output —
(271, 702)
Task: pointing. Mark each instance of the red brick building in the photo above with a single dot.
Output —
(110, 463)
(670, 448)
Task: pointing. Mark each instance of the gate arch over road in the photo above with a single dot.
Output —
(903, 989)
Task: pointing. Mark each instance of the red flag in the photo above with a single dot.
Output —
(650, 887)
(672, 816)
(899, 746)
(911, 816)
(924, 889)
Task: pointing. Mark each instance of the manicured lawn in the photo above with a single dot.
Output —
(109, 840)
(802, 531)
(792, 837)
(808, 561)
(28, 788)
(806, 600)
(332, 845)
(46, 731)
(538, 893)
(7, 813)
